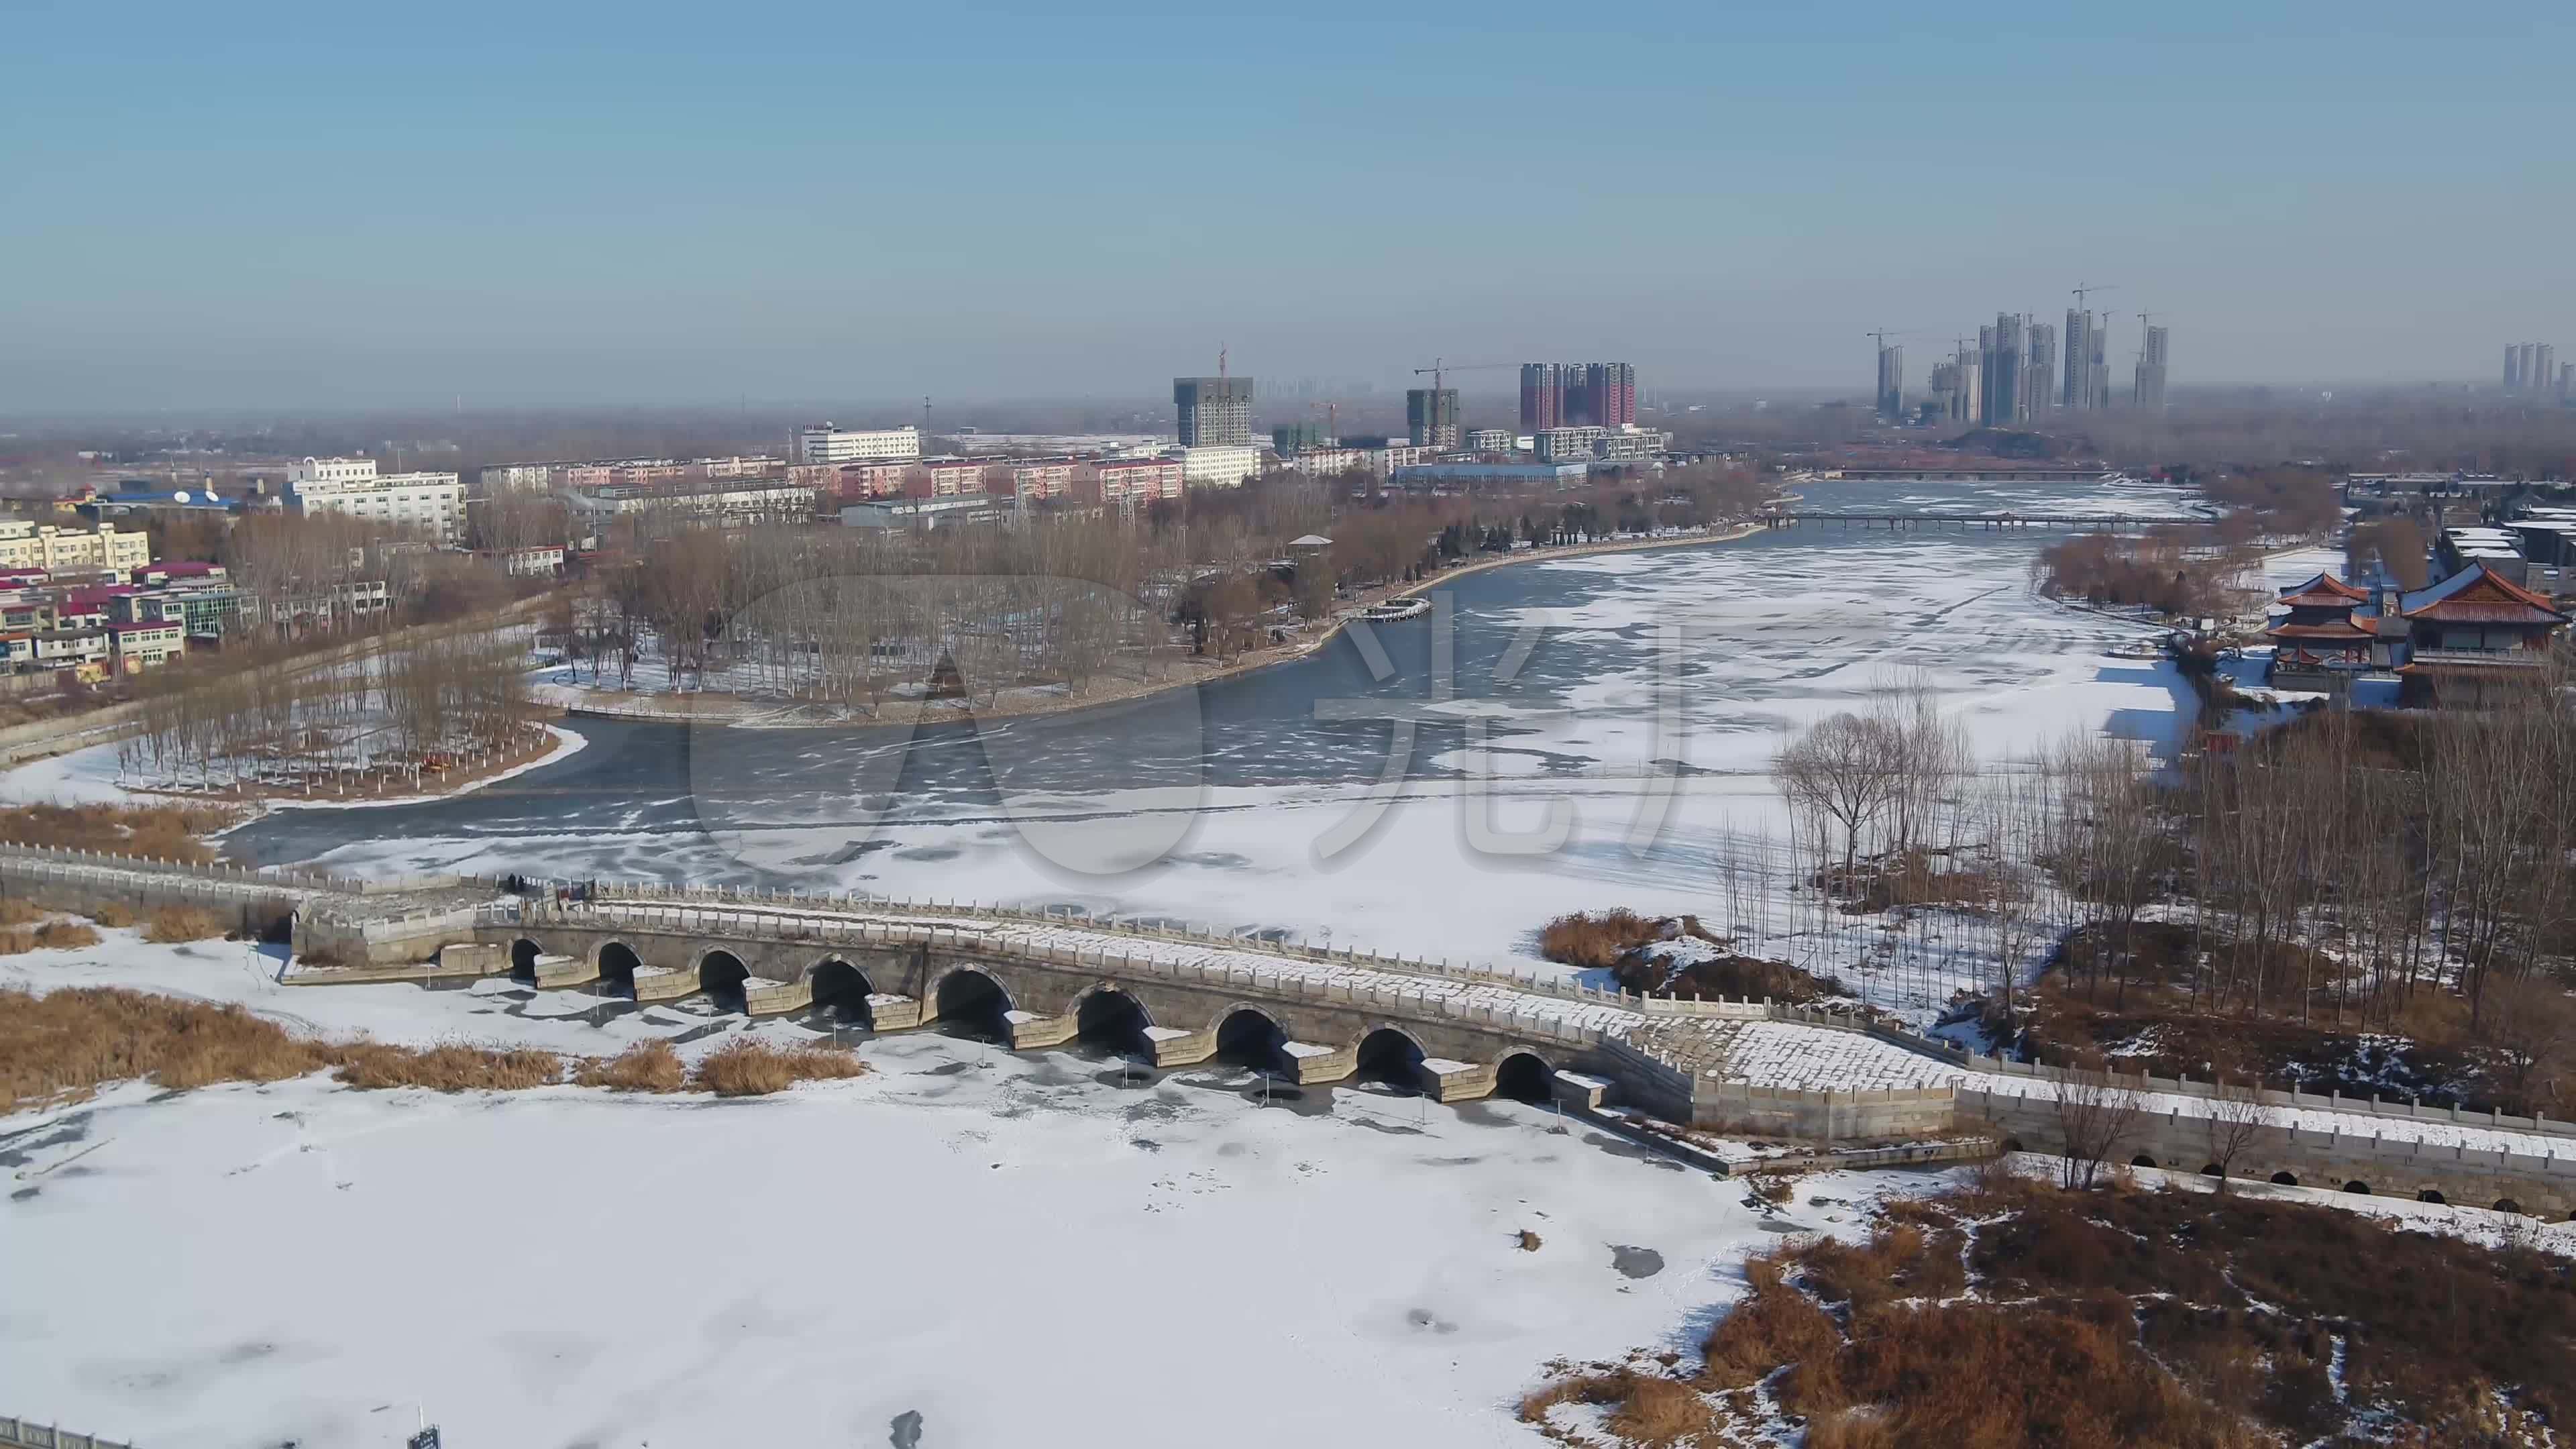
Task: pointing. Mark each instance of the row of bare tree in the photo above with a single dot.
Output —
(2351, 872)
(449, 694)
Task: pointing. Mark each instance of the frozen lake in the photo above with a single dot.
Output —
(1596, 688)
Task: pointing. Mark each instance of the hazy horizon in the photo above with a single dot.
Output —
(325, 209)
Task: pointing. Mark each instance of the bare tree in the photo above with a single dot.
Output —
(2237, 1117)
(2096, 1112)
(1843, 769)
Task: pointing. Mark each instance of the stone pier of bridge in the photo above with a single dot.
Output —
(1302, 1029)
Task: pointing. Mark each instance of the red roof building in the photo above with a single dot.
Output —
(2476, 620)
(2477, 617)
(2330, 626)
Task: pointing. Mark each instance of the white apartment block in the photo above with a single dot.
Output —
(432, 504)
(27, 545)
(827, 443)
(1219, 465)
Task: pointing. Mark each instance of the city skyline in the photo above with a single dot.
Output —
(560, 211)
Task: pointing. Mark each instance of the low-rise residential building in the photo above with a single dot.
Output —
(503, 478)
(1219, 465)
(1601, 444)
(430, 504)
(945, 478)
(829, 443)
(1324, 462)
(1035, 479)
(1488, 440)
(147, 645)
(1495, 477)
(1130, 482)
(55, 548)
(319, 606)
(536, 561)
(732, 501)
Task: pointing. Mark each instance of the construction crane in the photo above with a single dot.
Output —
(1440, 365)
(1332, 419)
(2083, 290)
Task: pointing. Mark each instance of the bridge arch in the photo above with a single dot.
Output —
(840, 990)
(1108, 1016)
(2286, 1179)
(972, 1000)
(2430, 1194)
(721, 975)
(523, 959)
(1247, 1036)
(2357, 1186)
(2507, 1205)
(1524, 1076)
(617, 963)
(1392, 1055)
(2143, 1159)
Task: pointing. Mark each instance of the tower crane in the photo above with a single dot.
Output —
(2082, 290)
(1332, 419)
(1440, 365)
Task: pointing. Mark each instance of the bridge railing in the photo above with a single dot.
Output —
(221, 871)
(708, 910)
(27, 1434)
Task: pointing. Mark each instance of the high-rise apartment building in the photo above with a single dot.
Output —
(1214, 412)
(2039, 371)
(1613, 389)
(2531, 366)
(1967, 387)
(2544, 366)
(1431, 416)
(2148, 395)
(1539, 397)
(2001, 350)
(2088, 362)
(1577, 394)
(2087, 366)
(1891, 383)
(2513, 367)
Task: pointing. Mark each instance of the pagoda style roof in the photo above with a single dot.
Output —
(2325, 591)
(2479, 595)
(2360, 628)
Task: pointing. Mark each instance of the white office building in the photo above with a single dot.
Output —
(827, 443)
(429, 504)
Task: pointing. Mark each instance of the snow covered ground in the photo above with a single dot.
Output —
(1013, 1247)
(91, 776)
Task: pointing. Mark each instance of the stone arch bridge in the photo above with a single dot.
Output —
(1313, 1016)
(1310, 1017)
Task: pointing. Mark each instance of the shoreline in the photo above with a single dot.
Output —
(566, 743)
(735, 712)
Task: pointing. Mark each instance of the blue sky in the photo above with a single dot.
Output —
(276, 205)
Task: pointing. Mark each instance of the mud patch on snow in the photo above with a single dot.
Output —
(1635, 1262)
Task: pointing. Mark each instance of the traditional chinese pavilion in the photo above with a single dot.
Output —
(2474, 626)
(2330, 626)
